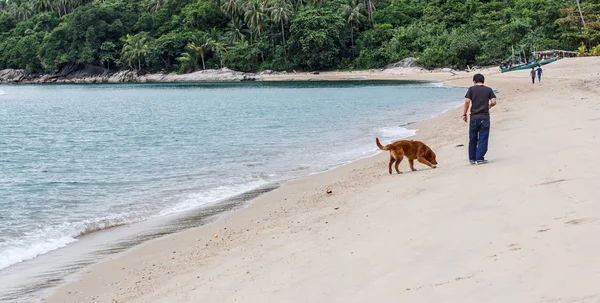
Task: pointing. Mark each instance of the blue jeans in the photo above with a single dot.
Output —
(479, 133)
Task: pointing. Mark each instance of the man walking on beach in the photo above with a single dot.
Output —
(539, 74)
(480, 98)
(532, 73)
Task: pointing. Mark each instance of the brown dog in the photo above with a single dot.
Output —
(412, 150)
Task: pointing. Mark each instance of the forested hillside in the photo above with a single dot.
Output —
(252, 35)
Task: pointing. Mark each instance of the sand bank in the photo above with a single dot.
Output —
(520, 229)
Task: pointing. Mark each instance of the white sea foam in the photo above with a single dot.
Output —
(45, 240)
(396, 132)
(33, 244)
(436, 84)
(19, 253)
(211, 196)
(2, 92)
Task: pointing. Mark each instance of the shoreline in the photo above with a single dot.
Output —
(282, 187)
(270, 220)
(173, 223)
(74, 76)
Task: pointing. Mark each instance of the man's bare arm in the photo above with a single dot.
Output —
(493, 102)
(466, 109)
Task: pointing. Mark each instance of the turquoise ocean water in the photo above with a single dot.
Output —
(75, 159)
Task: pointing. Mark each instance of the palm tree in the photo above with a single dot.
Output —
(189, 59)
(214, 34)
(23, 12)
(230, 8)
(42, 5)
(351, 11)
(370, 6)
(281, 11)
(219, 48)
(135, 48)
(64, 4)
(155, 5)
(236, 31)
(255, 16)
(197, 49)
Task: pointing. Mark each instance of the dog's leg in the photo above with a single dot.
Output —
(398, 163)
(412, 164)
(392, 160)
(424, 161)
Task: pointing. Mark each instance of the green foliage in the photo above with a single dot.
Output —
(135, 49)
(582, 50)
(108, 53)
(250, 35)
(243, 57)
(317, 39)
(166, 48)
(202, 15)
(596, 50)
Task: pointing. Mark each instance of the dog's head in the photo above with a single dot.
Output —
(430, 156)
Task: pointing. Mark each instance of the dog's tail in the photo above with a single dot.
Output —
(387, 147)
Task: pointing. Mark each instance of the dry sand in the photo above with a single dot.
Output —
(523, 228)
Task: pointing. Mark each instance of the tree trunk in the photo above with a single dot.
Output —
(203, 67)
(166, 63)
(352, 37)
(283, 36)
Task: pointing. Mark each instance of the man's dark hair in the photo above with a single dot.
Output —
(479, 78)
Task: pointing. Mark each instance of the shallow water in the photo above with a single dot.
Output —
(75, 159)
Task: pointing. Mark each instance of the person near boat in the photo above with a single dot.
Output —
(532, 73)
(539, 74)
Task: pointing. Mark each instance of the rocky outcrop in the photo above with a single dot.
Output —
(14, 76)
(406, 63)
(124, 76)
(85, 73)
(80, 70)
(224, 74)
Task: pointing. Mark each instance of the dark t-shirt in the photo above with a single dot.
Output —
(480, 96)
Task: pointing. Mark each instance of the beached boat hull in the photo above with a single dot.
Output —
(530, 65)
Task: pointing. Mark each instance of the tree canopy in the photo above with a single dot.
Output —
(252, 35)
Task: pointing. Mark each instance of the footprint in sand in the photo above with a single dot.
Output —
(581, 221)
(551, 182)
(543, 228)
(514, 247)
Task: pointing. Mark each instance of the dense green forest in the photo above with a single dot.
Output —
(253, 35)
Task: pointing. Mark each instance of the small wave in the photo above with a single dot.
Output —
(396, 132)
(212, 196)
(2, 92)
(16, 255)
(301, 168)
(436, 84)
(32, 244)
(45, 240)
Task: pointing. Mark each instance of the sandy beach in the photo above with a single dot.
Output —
(519, 229)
